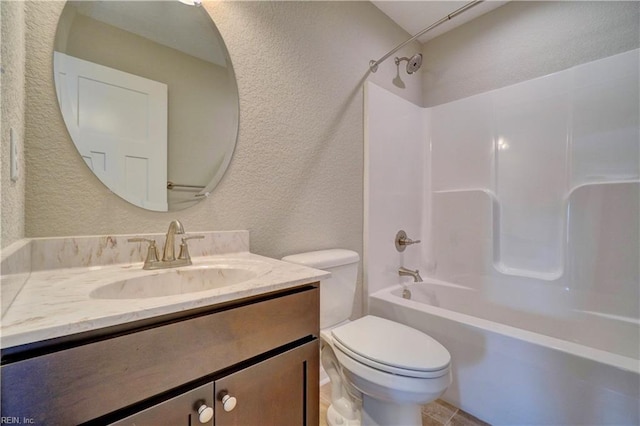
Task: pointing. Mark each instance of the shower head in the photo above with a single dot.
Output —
(413, 63)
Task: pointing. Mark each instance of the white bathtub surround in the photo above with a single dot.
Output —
(395, 154)
(58, 297)
(527, 201)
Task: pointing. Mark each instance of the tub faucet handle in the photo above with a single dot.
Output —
(402, 241)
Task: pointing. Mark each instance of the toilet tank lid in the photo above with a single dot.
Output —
(323, 259)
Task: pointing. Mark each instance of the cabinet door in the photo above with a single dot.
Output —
(178, 411)
(282, 391)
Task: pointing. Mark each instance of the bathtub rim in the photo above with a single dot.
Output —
(620, 362)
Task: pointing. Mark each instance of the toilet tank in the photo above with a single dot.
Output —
(336, 292)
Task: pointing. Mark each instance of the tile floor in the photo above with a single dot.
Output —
(437, 413)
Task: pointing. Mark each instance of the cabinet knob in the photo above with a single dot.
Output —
(205, 413)
(228, 402)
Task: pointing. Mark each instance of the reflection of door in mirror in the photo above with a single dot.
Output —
(118, 122)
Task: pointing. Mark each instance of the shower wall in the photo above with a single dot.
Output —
(551, 165)
(522, 40)
(395, 182)
(534, 181)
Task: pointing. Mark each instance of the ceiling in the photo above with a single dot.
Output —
(414, 16)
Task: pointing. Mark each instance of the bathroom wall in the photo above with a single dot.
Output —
(523, 40)
(542, 182)
(12, 58)
(514, 43)
(295, 181)
(296, 177)
(396, 180)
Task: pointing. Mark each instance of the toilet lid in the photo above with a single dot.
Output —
(391, 347)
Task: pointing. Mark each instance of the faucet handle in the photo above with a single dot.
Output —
(402, 241)
(184, 248)
(152, 253)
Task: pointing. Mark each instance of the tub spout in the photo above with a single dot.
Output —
(404, 272)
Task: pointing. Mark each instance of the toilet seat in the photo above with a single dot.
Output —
(392, 347)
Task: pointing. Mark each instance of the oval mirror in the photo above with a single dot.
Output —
(149, 97)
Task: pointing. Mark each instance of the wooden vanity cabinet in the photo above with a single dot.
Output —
(276, 391)
(263, 352)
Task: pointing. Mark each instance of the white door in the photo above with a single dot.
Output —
(118, 122)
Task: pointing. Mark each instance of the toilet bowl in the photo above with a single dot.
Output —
(381, 372)
(394, 368)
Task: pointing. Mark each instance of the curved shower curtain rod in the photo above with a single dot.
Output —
(373, 65)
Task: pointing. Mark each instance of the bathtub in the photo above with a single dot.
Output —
(557, 362)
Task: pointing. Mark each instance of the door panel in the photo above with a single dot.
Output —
(118, 122)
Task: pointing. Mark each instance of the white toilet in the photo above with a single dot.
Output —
(381, 371)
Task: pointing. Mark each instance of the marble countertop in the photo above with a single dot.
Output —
(58, 302)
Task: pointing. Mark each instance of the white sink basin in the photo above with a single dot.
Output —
(171, 282)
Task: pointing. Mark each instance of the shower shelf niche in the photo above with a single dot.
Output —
(522, 161)
(453, 227)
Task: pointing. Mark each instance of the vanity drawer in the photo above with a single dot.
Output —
(78, 384)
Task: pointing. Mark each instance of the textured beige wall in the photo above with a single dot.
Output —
(523, 40)
(12, 87)
(296, 177)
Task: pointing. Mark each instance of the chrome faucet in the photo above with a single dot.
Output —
(168, 252)
(404, 272)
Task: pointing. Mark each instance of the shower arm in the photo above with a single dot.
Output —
(373, 65)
